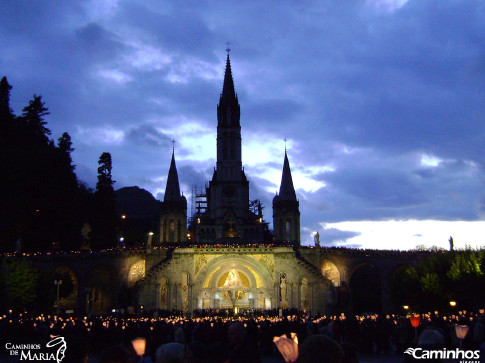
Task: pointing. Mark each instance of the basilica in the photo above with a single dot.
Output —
(222, 256)
(232, 262)
(224, 213)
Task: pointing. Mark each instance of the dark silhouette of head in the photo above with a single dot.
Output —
(236, 334)
(319, 348)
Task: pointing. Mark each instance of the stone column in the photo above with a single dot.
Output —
(156, 287)
(172, 302)
(298, 295)
(190, 307)
(179, 296)
(290, 295)
(311, 297)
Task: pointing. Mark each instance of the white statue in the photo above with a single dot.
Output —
(283, 288)
(233, 279)
(316, 239)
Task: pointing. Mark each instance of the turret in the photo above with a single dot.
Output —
(286, 209)
(173, 220)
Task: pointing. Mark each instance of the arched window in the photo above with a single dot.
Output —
(288, 230)
(171, 231)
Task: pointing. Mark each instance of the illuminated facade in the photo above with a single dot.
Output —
(240, 270)
(235, 277)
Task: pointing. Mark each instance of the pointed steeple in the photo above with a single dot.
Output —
(228, 91)
(287, 191)
(228, 110)
(172, 190)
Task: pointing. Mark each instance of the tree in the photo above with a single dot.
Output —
(64, 144)
(46, 204)
(105, 224)
(467, 278)
(441, 277)
(105, 181)
(19, 281)
(33, 115)
(7, 145)
(6, 112)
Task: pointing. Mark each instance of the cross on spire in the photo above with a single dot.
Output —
(285, 140)
(173, 145)
(228, 49)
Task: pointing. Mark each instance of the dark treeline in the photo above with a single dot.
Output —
(43, 205)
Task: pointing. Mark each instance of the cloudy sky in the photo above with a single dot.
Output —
(382, 101)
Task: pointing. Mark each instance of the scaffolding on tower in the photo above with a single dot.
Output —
(198, 203)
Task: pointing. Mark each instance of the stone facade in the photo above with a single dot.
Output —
(315, 279)
(234, 277)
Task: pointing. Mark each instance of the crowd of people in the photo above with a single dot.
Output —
(218, 338)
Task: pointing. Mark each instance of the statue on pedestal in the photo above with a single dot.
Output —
(316, 239)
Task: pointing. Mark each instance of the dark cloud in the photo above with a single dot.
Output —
(182, 29)
(148, 135)
(98, 43)
(363, 89)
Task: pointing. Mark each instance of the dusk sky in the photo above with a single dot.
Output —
(382, 103)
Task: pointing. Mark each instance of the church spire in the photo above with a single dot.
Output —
(228, 91)
(228, 110)
(287, 191)
(172, 190)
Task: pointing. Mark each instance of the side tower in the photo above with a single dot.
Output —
(173, 220)
(286, 209)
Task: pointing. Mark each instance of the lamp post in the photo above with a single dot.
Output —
(149, 243)
(58, 283)
(122, 231)
(461, 332)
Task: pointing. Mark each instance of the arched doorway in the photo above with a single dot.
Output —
(365, 287)
(136, 273)
(331, 272)
(234, 281)
(100, 295)
(68, 288)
